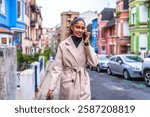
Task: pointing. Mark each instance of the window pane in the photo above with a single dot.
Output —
(133, 15)
(19, 9)
(126, 29)
(143, 13)
(143, 40)
(4, 41)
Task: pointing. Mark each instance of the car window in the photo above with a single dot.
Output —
(132, 59)
(148, 56)
(118, 59)
(113, 59)
(104, 57)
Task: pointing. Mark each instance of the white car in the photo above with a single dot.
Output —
(103, 61)
(146, 71)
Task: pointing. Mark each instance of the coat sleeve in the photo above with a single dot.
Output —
(92, 57)
(56, 69)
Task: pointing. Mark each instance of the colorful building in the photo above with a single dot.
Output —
(5, 33)
(110, 37)
(12, 22)
(94, 34)
(32, 42)
(122, 27)
(139, 27)
(105, 30)
(36, 27)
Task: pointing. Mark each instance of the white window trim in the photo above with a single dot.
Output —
(133, 11)
(140, 13)
(126, 29)
(2, 11)
(7, 37)
(20, 18)
(142, 42)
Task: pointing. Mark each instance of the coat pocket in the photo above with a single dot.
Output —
(67, 86)
(67, 77)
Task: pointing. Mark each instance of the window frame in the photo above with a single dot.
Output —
(133, 15)
(2, 7)
(141, 20)
(20, 15)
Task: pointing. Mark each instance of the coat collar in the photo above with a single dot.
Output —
(75, 52)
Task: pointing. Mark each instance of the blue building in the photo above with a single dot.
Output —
(94, 34)
(12, 22)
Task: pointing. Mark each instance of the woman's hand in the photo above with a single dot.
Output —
(49, 95)
(87, 36)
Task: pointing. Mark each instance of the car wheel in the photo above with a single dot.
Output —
(126, 75)
(147, 78)
(109, 71)
(98, 68)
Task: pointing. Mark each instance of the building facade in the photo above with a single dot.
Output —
(139, 27)
(66, 18)
(88, 16)
(31, 38)
(36, 27)
(110, 37)
(26, 38)
(17, 19)
(105, 22)
(12, 22)
(5, 33)
(122, 27)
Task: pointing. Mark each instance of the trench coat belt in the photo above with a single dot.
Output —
(80, 75)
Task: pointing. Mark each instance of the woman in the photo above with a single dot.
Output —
(73, 55)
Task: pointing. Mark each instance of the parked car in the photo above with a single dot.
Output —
(128, 65)
(103, 61)
(146, 70)
(148, 55)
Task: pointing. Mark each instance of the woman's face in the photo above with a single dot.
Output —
(78, 29)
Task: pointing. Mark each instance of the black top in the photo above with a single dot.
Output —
(76, 40)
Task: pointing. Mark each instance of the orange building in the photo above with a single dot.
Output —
(122, 27)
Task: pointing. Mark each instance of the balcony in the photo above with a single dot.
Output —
(33, 6)
(33, 20)
(32, 3)
(33, 23)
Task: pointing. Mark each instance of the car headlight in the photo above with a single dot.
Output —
(136, 68)
(102, 63)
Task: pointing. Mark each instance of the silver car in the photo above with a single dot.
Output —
(103, 61)
(128, 65)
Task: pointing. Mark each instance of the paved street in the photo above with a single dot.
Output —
(105, 87)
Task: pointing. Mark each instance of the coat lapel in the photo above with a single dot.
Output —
(75, 52)
(71, 48)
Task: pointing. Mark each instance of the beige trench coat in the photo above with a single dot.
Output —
(69, 66)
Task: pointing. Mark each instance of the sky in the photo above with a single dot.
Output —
(51, 9)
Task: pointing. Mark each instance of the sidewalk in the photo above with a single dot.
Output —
(41, 94)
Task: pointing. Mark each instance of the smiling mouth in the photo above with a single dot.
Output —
(80, 34)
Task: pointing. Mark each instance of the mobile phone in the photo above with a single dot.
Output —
(84, 35)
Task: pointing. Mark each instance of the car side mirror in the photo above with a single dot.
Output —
(119, 62)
